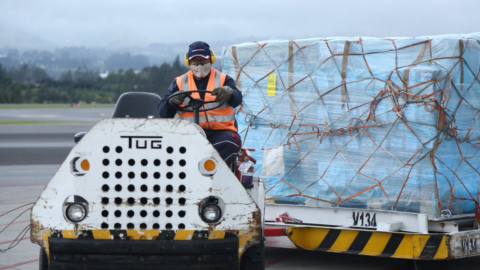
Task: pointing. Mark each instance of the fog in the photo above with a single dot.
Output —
(95, 23)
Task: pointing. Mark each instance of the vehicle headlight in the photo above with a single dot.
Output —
(75, 208)
(76, 212)
(211, 213)
(211, 209)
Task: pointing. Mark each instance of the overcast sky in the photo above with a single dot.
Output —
(140, 22)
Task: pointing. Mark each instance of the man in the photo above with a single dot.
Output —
(219, 124)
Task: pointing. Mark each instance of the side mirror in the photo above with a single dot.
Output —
(79, 136)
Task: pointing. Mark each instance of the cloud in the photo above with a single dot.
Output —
(125, 22)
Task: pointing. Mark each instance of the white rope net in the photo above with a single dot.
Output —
(365, 122)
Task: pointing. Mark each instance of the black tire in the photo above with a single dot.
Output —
(253, 258)
(43, 260)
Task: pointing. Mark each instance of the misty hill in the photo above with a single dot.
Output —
(19, 47)
(57, 61)
(20, 40)
(98, 59)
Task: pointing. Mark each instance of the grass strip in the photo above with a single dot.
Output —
(28, 122)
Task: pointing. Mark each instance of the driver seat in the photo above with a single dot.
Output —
(137, 105)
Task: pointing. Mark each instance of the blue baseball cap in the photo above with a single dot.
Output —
(199, 48)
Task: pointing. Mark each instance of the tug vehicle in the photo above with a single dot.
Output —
(141, 192)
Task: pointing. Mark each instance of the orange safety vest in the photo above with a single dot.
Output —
(221, 118)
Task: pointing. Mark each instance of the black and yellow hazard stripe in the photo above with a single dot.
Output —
(143, 234)
(373, 243)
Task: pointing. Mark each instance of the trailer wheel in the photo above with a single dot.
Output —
(253, 258)
(43, 260)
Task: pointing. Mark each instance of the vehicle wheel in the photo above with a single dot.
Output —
(43, 260)
(253, 258)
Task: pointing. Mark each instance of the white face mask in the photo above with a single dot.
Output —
(201, 71)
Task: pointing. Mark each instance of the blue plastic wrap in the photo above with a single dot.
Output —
(365, 122)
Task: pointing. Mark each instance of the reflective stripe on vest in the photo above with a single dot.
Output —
(221, 118)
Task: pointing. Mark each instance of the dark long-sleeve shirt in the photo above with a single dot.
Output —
(168, 111)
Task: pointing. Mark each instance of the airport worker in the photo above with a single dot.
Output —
(219, 124)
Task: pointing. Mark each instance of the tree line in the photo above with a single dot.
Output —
(55, 62)
(31, 84)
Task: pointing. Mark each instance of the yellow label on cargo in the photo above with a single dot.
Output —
(272, 78)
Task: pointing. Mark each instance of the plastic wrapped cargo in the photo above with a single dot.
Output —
(388, 123)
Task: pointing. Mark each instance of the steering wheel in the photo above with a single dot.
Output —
(194, 104)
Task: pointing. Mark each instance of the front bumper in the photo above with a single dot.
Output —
(93, 254)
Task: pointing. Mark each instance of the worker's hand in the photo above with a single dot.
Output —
(223, 94)
(176, 101)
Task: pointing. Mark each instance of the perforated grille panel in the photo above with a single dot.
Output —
(143, 193)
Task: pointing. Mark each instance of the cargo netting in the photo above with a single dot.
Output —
(372, 123)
